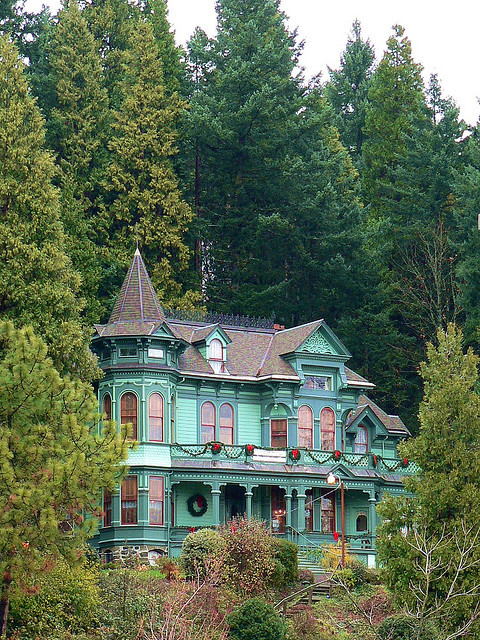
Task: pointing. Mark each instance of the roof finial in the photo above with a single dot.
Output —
(136, 235)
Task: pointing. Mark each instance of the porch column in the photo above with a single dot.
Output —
(216, 506)
(301, 508)
(288, 512)
(372, 515)
(248, 502)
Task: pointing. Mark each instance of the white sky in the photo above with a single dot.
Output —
(444, 40)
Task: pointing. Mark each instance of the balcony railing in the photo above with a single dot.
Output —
(292, 456)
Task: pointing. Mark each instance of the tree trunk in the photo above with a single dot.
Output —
(5, 601)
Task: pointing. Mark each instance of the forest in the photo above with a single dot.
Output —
(248, 189)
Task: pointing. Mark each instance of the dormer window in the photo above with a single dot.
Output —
(361, 441)
(216, 356)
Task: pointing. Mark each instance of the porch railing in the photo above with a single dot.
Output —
(292, 456)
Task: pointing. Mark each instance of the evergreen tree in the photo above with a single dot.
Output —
(37, 283)
(77, 131)
(348, 87)
(52, 464)
(144, 198)
(430, 548)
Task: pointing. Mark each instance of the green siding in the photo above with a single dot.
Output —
(186, 423)
(150, 455)
(182, 517)
(249, 428)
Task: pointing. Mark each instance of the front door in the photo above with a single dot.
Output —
(278, 510)
(234, 501)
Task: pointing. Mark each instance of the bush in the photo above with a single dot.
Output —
(346, 578)
(286, 554)
(303, 625)
(331, 556)
(306, 576)
(65, 599)
(255, 619)
(168, 567)
(249, 563)
(199, 550)
(402, 627)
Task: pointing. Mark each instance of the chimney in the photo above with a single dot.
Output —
(278, 327)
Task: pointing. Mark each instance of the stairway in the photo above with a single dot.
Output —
(306, 562)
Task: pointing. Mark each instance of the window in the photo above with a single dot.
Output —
(155, 353)
(128, 352)
(361, 441)
(155, 417)
(172, 420)
(305, 427)
(107, 508)
(327, 504)
(129, 500)
(107, 406)
(215, 356)
(327, 430)
(318, 382)
(208, 422)
(226, 424)
(128, 412)
(156, 499)
(362, 522)
(278, 434)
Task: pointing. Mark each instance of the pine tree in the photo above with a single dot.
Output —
(144, 198)
(77, 132)
(37, 283)
(52, 464)
(348, 87)
(430, 548)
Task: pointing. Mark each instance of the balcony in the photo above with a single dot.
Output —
(292, 457)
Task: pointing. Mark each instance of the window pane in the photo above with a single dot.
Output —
(107, 508)
(305, 427)
(279, 434)
(107, 406)
(362, 522)
(129, 500)
(327, 430)
(155, 418)
(208, 422)
(328, 514)
(172, 420)
(361, 441)
(226, 424)
(215, 350)
(156, 498)
(128, 412)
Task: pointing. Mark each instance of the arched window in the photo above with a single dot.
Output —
(361, 441)
(155, 417)
(305, 427)
(226, 424)
(362, 523)
(208, 422)
(172, 420)
(128, 412)
(107, 406)
(327, 429)
(215, 356)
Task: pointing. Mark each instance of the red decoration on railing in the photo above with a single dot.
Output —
(336, 536)
(337, 454)
(295, 455)
(216, 447)
(404, 462)
(249, 448)
(375, 460)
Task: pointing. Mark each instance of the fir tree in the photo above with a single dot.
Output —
(348, 87)
(52, 464)
(37, 283)
(77, 132)
(144, 198)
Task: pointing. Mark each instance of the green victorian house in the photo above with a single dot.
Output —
(232, 417)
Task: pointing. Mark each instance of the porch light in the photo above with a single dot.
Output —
(331, 479)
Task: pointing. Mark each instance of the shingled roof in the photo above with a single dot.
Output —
(137, 300)
(393, 423)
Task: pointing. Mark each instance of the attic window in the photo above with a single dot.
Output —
(128, 352)
(216, 356)
(323, 383)
(155, 353)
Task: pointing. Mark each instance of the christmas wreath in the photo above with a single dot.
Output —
(249, 449)
(216, 447)
(295, 455)
(197, 505)
(337, 454)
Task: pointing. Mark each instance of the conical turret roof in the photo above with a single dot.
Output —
(137, 300)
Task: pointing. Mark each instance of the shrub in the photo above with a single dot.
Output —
(63, 599)
(303, 625)
(346, 578)
(199, 550)
(402, 627)
(286, 553)
(306, 576)
(255, 619)
(331, 556)
(249, 562)
(168, 567)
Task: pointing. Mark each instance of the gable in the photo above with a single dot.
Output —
(323, 342)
